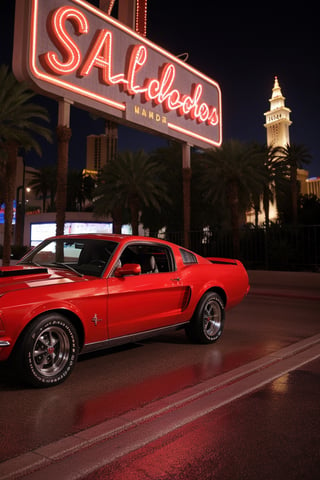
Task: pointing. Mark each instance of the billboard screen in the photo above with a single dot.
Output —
(39, 231)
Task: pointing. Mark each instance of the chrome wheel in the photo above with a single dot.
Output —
(48, 350)
(51, 351)
(207, 323)
(212, 318)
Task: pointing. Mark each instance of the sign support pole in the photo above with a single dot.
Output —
(63, 137)
(186, 179)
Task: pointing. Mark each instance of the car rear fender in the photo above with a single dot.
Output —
(205, 282)
(214, 287)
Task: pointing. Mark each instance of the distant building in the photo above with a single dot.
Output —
(277, 129)
(101, 148)
(277, 119)
(302, 177)
(312, 186)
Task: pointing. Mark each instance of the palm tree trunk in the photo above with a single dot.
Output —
(117, 219)
(186, 185)
(186, 179)
(11, 171)
(134, 211)
(64, 135)
(233, 200)
(44, 199)
(266, 204)
(294, 194)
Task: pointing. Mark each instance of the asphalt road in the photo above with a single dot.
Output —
(272, 433)
(44, 427)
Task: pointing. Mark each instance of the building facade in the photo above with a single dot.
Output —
(277, 130)
(277, 119)
(101, 148)
(312, 186)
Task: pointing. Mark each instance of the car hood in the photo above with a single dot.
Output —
(21, 277)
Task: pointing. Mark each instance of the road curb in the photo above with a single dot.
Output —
(77, 455)
(284, 294)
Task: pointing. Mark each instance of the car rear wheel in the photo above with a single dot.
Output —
(48, 350)
(207, 323)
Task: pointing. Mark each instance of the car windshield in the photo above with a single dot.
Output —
(85, 256)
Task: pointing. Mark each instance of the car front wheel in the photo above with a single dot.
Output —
(207, 323)
(48, 351)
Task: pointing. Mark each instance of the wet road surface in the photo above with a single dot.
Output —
(109, 384)
(271, 434)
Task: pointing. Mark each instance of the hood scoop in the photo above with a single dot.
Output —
(15, 272)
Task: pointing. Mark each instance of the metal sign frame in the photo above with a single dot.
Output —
(70, 50)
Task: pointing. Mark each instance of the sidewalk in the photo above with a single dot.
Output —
(305, 285)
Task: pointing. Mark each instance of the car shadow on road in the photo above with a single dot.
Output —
(109, 351)
(9, 379)
(175, 338)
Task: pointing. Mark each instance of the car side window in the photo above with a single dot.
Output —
(187, 257)
(153, 258)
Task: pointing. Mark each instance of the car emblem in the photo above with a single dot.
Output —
(95, 319)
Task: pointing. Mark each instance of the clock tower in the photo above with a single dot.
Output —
(277, 127)
(277, 119)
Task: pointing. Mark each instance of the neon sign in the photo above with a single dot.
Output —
(75, 51)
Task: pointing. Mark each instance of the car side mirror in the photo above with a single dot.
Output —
(128, 269)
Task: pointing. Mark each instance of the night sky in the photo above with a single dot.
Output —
(241, 47)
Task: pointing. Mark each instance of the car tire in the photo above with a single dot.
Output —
(48, 351)
(207, 323)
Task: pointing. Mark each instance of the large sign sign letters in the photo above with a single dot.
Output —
(70, 49)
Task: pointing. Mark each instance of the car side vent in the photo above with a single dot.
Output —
(186, 298)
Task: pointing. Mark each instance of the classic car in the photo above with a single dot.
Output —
(74, 294)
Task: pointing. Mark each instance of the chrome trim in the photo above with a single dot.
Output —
(4, 343)
(135, 337)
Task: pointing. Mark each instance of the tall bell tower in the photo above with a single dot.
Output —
(277, 119)
(277, 127)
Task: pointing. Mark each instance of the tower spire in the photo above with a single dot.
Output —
(276, 91)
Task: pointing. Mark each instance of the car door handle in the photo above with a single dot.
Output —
(175, 279)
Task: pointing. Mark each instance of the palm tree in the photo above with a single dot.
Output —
(131, 181)
(17, 130)
(2, 178)
(80, 189)
(171, 217)
(230, 175)
(44, 183)
(75, 196)
(296, 156)
(276, 171)
(88, 186)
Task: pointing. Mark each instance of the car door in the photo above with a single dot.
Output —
(153, 299)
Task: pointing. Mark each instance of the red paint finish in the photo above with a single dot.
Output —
(103, 302)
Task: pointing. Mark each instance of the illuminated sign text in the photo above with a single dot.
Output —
(78, 52)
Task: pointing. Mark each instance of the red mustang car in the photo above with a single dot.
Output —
(79, 293)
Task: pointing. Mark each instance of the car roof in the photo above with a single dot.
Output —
(114, 237)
